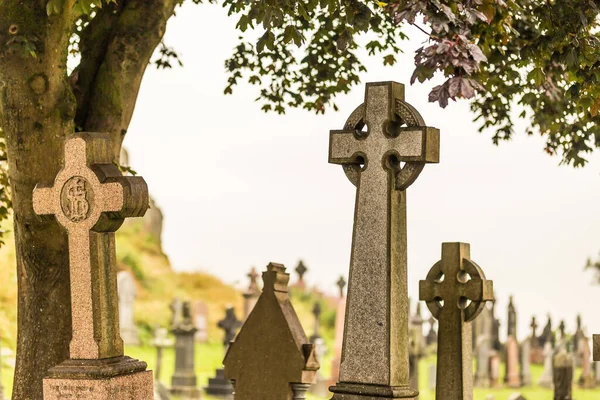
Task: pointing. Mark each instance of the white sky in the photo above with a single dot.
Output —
(240, 188)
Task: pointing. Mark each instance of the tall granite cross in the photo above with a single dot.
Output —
(534, 326)
(381, 161)
(90, 199)
(455, 291)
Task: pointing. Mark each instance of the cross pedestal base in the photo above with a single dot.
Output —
(353, 391)
(136, 386)
(191, 393)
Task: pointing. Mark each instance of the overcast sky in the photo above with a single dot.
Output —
(240, 188)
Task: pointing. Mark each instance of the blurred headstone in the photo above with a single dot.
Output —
(252, 293)
(563, 376)
(512, 377)
(127, 293)
(526, 378)
(340, 316)
(160, 340)
(301, 270)
(220, 386)
(484, 325)
(184, 380)
(546, 378)
(200, 313)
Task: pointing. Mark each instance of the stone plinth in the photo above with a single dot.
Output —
(136, 386)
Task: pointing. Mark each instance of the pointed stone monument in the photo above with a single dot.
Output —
(271, 358)
(536, 355)
(456, 291)
(90, 199)
(483, 347)
(382, 161)
(526, 378)
(512, 377)
(252, 293)
(220, 386)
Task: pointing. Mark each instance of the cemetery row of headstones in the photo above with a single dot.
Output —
(382, 149)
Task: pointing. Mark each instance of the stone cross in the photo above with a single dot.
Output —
(382, 162)
(341, 284)
(253, 286)
(90, 198)
(317, 314)
(252, 293)
(534, 327)
(455, 291)
(160, 340)
(230, 324)
(301, 270)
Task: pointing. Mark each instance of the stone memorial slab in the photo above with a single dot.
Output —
(90, 199)
(526, 378)
(184, 380)
(547, 376)
(271, 357)
(563, 376)
(340, 317)
(252, 293)
(200, 314)
(513, 378)
(483, 347)
(587, 380)
(219, 386)
(456, 291)
(536, 355)
(127, 292)
(382, 161)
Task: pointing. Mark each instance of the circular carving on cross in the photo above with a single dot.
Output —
(76, 199)
(452, 290)
(407, 116)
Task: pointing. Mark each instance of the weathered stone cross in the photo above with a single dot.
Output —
(375, 350)
(534, 327)
(341, 284)
(90, 199)
(455, 291)
(230, 324)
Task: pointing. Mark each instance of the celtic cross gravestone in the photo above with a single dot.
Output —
(455, 291)
(90, 198)
(383, 147)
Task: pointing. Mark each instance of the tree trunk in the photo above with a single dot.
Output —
(37, 109)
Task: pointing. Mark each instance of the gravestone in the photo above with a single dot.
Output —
(220, 386)
(512, 377)
(160, 340)
(382, 162)
(200, 314)
(547, 376)
(547, 334)
(184, 380)
(127, 291)
(431, 338)
(456, 291)
(90, 199)
(526, 378)
(576, 343)
(417, 346)
(537, 350)
(340, 317)
(176, 312)
(587, 380)
(483, 347)
(301, 270)
(495, 361)
(252, 293)
(271, 358)
(563, 376)
(320, 386)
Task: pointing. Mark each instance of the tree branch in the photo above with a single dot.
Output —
(111, 94)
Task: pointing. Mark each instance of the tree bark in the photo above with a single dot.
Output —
(38, 109)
